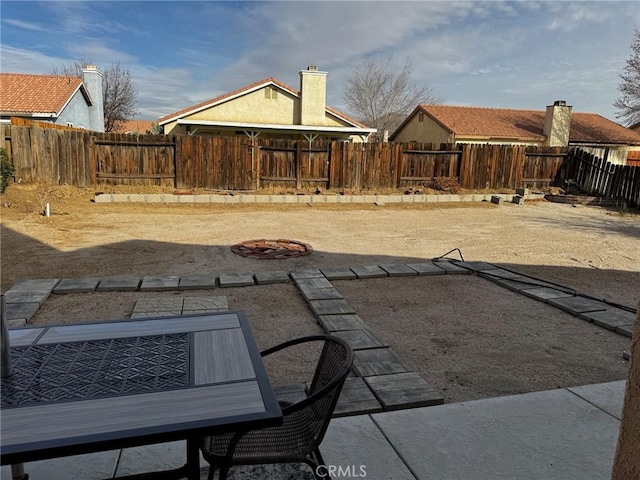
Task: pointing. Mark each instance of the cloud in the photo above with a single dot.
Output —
(27, 61)
(26, 25)
(97, 52)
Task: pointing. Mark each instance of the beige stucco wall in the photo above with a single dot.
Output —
(627, 461)
(313, 92)
(557, 123)
(426, 131)
(497, 141)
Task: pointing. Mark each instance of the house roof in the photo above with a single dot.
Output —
(26, 93)
(254, 86)
(135, 126)
(522, 125)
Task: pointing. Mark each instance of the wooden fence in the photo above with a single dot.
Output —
(597, 176)
(83, 159)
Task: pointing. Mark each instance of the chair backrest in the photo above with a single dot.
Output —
(314, 413)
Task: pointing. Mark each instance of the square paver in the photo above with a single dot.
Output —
(317, 289)
(266, 278)
(157, 307)
(523, 283)
(626, 330)
(26, 296)
(18, 311)
(451, 268)
(216, 303)
(292, 393)
(377, 361)
(236, 280)
(426, 268)
(369, 271)
(300, 274)
(159, 283)
(610, 319)
(356, 399)
(499, 273)
(577, 305)
(545, 293)
(77, 285)
(330, 307)
(197, 282)
(340, 273)
(34, 284)
(360, 339)
(404, 390)
(398, 270)
(119, 283)
(476, 266)
(167, 313)
(336, 323)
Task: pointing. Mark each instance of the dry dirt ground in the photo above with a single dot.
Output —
(465, 335)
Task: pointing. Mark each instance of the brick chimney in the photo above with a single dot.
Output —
(557, 123)
(313, 95)
(92, 79)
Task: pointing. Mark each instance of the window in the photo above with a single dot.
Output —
(421, 117)
(270, 93)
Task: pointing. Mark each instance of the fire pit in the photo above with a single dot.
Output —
(272, 249)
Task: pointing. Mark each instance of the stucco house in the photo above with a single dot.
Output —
(71, 101)
(555, 126)
(269, 108)
(136, 127)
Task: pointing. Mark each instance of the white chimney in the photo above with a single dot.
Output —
(313, 96)
(557, 124)
(92, 79)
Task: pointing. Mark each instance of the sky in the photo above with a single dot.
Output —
(501, 54)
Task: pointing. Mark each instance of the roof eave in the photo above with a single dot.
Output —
(275, 126)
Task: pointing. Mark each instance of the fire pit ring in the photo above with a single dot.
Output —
(272, 249)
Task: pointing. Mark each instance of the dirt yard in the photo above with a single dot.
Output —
(459, 332)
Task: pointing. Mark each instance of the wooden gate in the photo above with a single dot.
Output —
(287, 164)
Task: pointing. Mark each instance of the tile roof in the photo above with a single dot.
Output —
(135, 126)
(255, 85)
(523, 124)
(26, 93)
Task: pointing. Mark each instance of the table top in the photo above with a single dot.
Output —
(97, 386)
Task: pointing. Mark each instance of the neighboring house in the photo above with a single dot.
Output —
(136, 127)
(270, 109)
(71, 101)
(557, 126)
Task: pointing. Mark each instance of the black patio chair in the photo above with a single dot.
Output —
(305, 423)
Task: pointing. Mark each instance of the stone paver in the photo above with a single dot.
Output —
(577, 305)
(236, 280)
(552, 435)
(160, 304)
(476, 266)
(317, 289)
(36, 284)
(292, 393)
(545, 293)
(21, 311)
(606, 396)
(360, 339)
(153, 458)
(377, 361)
(369, 271)
(119, 283)
(162, 313)
(451, 268)
(610, 319)
(197, 282)
(340, 273)
(500, 273)
(267, 278)
(159, 283)
(398, 270)
(26, 296)
(356, 398)
(335, 323)
(426, 268)
(626, 330)
(77, 285)
(404, 390)
(525, 283)
(331, 307)
(216, 303)
(91, 466)
(300, 274)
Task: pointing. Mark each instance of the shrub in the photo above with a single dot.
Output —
(6, 169)
(445, 184)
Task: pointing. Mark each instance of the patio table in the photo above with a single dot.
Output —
(99, 386)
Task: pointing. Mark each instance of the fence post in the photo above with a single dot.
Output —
(298, 163)
(93, 166)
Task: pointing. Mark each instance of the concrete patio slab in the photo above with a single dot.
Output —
(343, 273)
(159, 283)
(356, 398)
(610, 319)
(369, 271)
(398, 270)
(404, 390)
(426, 268)
(577, 305)
(119, 283)
(92, 466)
(553, 435)
(153, 458)
(236, 280)
(17, 311)
(356, 442)
(77, 285)
(197, 282)
(606, 396)
(626, 330)
(335, 323)
(267, 278)
(331, 307)
(360, 339)
(545, 293)
(451, 268)
(377, 361)
(215, 303)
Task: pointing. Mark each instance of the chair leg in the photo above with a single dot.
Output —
(212, 471)
(224, 471)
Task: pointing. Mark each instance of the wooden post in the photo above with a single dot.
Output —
(298, 163)
(93, 161)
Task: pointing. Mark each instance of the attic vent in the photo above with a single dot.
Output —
(560, 103)
(312, 68)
